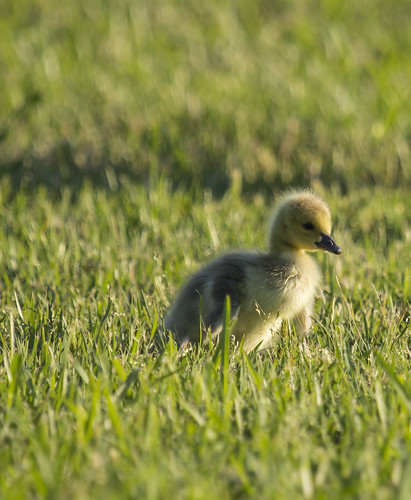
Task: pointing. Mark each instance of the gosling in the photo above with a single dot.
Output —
(265, 288)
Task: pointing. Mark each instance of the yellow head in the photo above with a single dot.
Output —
(302, 221)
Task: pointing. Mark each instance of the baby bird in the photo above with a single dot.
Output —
(265, 288)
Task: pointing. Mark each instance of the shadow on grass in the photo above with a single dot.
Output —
(186, 161)
(61, 169)
(64, 167)
(191, 153)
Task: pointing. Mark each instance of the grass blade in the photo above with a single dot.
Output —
(395, 382)
(225, 344)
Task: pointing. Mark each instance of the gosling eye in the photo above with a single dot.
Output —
(308, 226)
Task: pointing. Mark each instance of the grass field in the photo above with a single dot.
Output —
(139, 139)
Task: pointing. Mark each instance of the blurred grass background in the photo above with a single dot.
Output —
(137, 140)
(270, 93)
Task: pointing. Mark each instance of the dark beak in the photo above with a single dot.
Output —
(328, 244)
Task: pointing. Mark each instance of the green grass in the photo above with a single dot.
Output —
(139, 139)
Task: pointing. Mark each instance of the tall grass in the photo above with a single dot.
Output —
(87, 408)
(139, 139)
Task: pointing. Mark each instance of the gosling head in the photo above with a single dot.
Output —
(302, 221)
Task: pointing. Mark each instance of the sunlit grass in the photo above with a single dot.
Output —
(137, 141)
(89, 408)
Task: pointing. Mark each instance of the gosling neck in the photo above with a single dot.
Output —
(284, 249)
